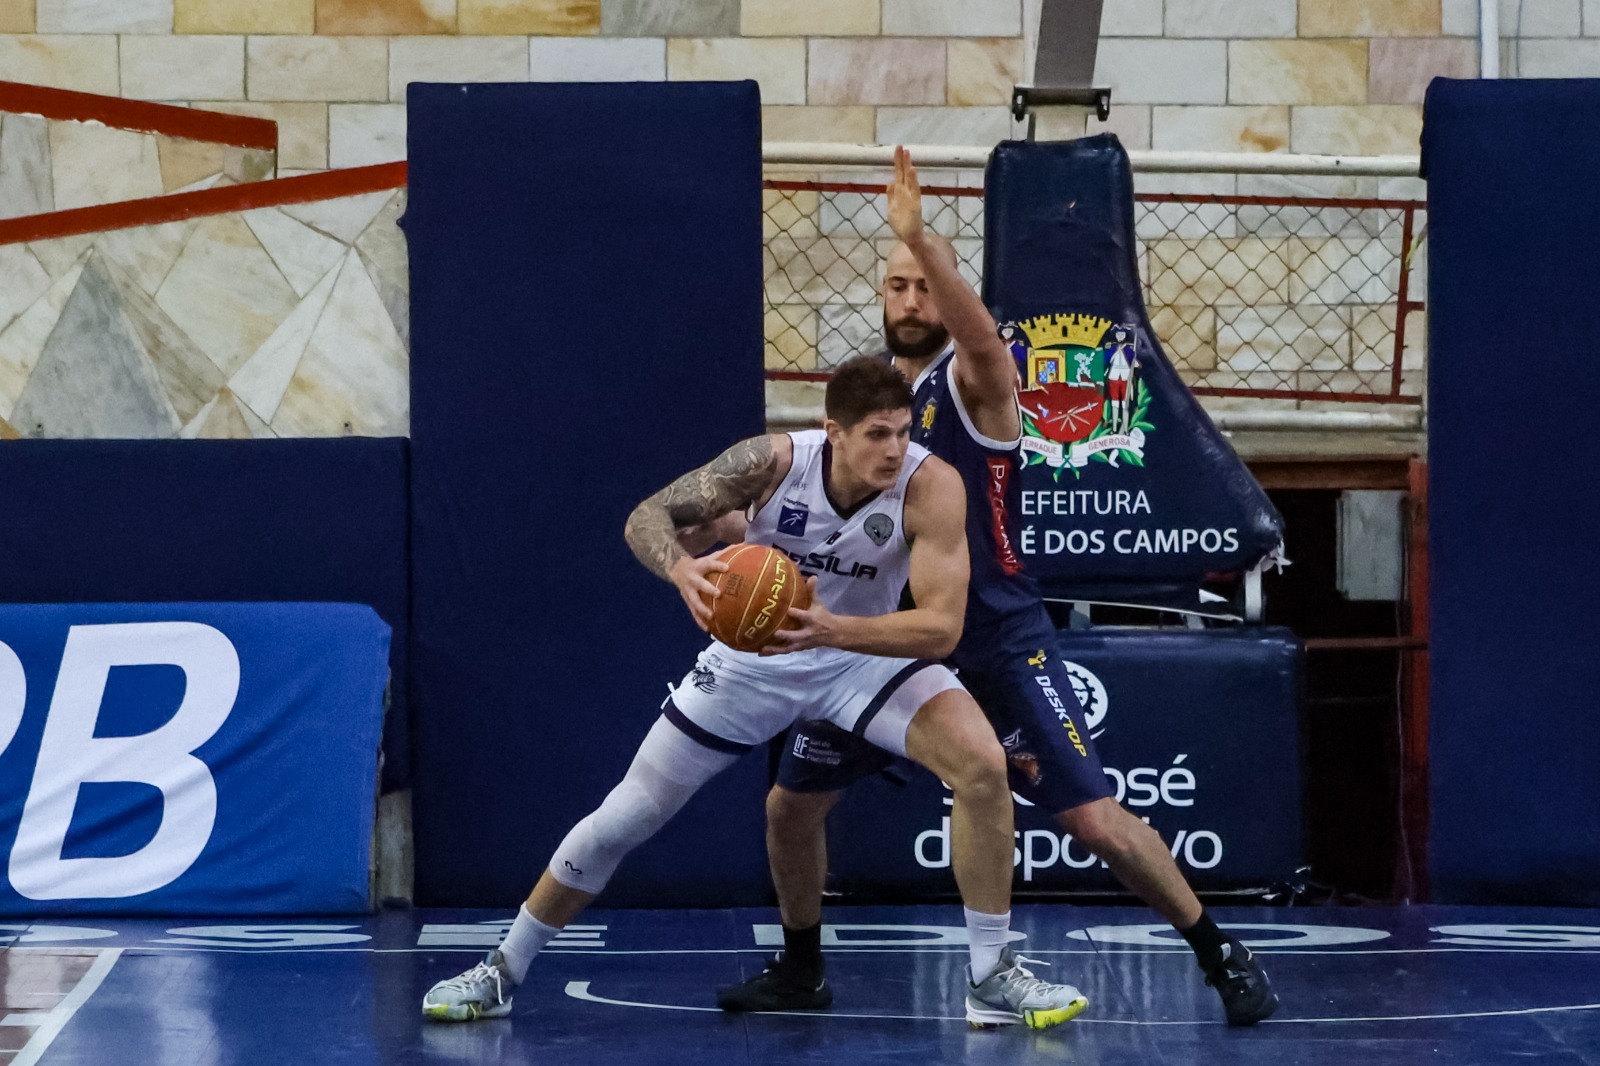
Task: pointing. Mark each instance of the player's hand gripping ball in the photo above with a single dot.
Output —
(755, 594)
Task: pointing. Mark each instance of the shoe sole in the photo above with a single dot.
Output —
(735, 1007)
(1261, 1014)
(981, 1018)
(463, 1012)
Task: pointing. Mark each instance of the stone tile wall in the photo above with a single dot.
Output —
(280, 321)
(1224, 75)
(55, 165)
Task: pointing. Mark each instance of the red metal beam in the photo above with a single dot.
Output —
(186, 123)
(153, 210)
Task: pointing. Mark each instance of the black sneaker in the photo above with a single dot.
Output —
(780, 986)
(1246, 993)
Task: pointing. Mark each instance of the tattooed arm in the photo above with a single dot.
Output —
(745, 474)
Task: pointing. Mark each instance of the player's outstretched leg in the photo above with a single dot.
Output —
(668, 769)
(1247, 995)
(950, 736)
(1142, 862)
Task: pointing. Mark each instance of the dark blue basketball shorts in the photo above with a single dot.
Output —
(1027, 697)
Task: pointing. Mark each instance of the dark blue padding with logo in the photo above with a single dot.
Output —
(134, 521)
(1131, 493)
(1198, 731)
(586, 325)
(1513, 384)
(189, 758)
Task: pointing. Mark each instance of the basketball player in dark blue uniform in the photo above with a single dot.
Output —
(965, 380)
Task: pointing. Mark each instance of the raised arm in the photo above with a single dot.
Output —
(985, 370)
(935, 522)
(745, 474)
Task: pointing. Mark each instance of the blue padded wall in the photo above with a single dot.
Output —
(1513, 225)
(1060, 262)
(114, 521)
(586, 324)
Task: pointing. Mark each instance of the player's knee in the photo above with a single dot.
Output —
(628, 817)
(981, 770)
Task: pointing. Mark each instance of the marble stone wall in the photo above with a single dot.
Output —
(278, 321)
(1225, 75)
(55, 165)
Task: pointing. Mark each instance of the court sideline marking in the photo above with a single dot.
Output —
(580, 990)
(62, 1014)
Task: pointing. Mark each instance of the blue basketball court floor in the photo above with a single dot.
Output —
(1371, 987)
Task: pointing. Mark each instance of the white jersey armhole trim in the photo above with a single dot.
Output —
(794, 453)
(972, 430)
(905, 492)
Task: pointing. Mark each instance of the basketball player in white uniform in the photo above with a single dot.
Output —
(863, 512)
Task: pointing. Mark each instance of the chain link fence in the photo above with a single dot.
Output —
(1290, 298)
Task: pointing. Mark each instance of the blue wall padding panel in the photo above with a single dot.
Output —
(1199, 732)
(214, 520)
(1513, 385)
(1060, 264)
(586, 325)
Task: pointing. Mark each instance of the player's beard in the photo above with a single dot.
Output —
(933, 339)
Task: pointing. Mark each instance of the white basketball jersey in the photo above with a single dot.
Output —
(861, 558)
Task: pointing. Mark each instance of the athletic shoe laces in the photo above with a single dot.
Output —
(471, 983)
(1020, 978)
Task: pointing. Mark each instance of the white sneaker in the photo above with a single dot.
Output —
(482, 992)
(1011, 994)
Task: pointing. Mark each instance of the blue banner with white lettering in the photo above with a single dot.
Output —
(189, 758)
(1199, 734)
(1129, 492)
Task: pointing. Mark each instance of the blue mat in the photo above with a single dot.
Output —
(586, 325)
(108, 521)
(1513, 225)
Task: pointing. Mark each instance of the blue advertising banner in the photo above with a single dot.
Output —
(188, 758)
(1198, 732)
(1128, 490)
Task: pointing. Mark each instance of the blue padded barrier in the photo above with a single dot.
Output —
(99, 521)
(1199, 731)
(188, 758)
(1513, 225)
(1134, 501)
(586, 325)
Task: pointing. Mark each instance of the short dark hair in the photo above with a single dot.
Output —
(863, 385)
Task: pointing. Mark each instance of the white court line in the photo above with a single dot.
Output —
(580, 990)
(1183, 951)
(58, 1018)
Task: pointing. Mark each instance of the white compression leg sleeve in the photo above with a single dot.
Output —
(668, 769)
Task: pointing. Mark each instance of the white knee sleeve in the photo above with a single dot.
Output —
(666, 772)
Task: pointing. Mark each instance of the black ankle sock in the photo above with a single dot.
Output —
(802, 948)
(1206, 940)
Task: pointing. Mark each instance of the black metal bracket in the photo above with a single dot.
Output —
(1025, 98)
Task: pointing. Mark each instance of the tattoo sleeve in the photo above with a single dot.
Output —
(732, 480)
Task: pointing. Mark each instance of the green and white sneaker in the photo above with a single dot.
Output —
(482, 992)
(1011, 994)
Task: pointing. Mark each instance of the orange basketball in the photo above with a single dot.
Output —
(757, 590)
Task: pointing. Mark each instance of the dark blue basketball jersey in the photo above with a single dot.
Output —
(1004, 607)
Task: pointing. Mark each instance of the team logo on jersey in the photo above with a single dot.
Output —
(792, 521)
(1083, 397)
(1091, 693)
(879, 527)
(1025, 762)
(930, 411)
(703, 679)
